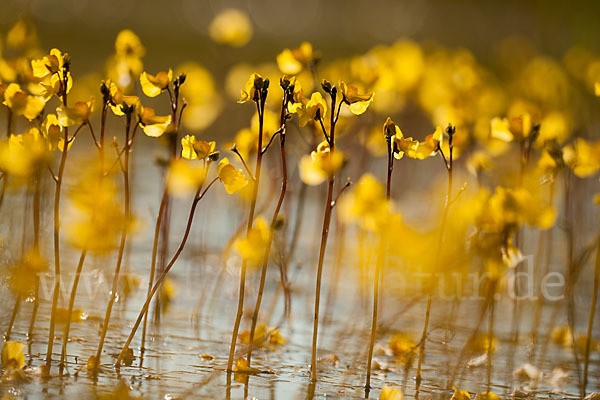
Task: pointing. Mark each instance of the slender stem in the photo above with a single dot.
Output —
(36, 248)
(490, 342)
(159, 218)
(124, 230)
(9, 121)
(164, 273)
(571, 274)
(379, 271)
(282, 192)
(323, 246)
(438, 256)
(67, 327)
(237, 152)
(13, 316)
(588, 340)
(59, 180)
(240, 308)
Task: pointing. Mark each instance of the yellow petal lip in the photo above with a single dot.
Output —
(153, 85)
(249, 92)
(22, 103)
(233, 179)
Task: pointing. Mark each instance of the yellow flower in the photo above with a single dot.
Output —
(152, 124)
(50, 68)
(233, 179)
(298, 100)
(460, 394)
(76, 115)
(52, 63)
(431, 144)
(292, 62)
(390, 393)
(23, 273)
(13, 355)
(128, 43)
(22, 36)
(250, 91)
(402, 346)
(366, 204)
(597, 88)
(126, 64)
(478, 162)
(53, 133)
(582, 157)
(320, 164)
(263, 336)
(507, 130)
(22, 154)
(252, 246)
(21, 103)
(184, 177)
(95, 218)
(275, 337)
(167, 293)
(118, 102)
(487, 396)
(241, 366)
(153, 85)
(315, 108)
(415, 149)
(357, 102)
(392, 132)
(231, 27)
(555, 125)
(193, 149)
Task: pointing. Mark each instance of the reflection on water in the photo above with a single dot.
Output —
(187, 351)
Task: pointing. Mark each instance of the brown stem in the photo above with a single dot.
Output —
(490, 342)
(125, 227)
(164, 273)
(265, 263)
(571, 274)
(379, 271)
(13, 316)
(59, 180)
(260, 104)
(159, 218)
(323, 246)
(438, 256)
(588, 340)
(65, 339)
(36, 248)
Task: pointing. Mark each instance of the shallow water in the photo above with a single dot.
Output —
(198, 323)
